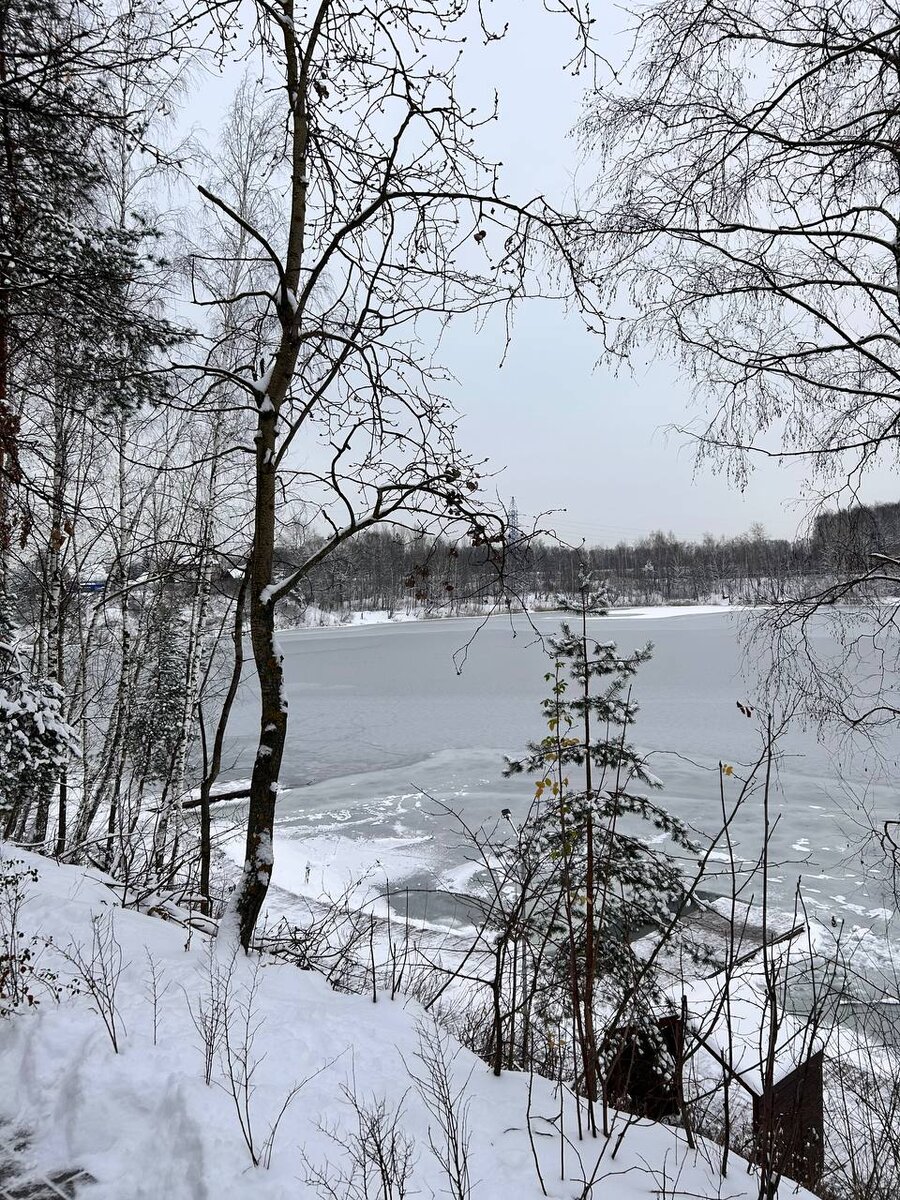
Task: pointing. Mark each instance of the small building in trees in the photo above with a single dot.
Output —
(738, 1017)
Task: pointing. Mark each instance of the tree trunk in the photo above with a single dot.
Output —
(111, 761)
(215, 764)
(590, 1046)
(172, 801)
(273, 704)
(53, 583)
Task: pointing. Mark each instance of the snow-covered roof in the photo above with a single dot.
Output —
(730, 1015)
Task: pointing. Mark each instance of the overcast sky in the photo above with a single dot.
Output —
(568, 432)
(573, 433)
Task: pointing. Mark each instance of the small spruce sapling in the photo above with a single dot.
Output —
(591, 808)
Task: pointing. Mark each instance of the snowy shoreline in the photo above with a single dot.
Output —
(318, 618)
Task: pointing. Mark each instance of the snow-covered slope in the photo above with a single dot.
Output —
(144, 1123)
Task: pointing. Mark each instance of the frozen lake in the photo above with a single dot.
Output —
(383, 730)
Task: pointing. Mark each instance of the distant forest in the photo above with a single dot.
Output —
(399, 571)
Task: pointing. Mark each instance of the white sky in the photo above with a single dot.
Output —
(567, 432)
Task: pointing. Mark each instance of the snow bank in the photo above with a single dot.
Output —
(658, 611)
(331, 866)
(147, 1126)
(315, 617)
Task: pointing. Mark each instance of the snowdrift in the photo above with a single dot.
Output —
(104, 1070)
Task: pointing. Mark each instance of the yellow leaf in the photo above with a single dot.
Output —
(727, 770)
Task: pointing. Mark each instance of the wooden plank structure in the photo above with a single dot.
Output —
(635, 1082)
(789, 1123)
(781, 1069)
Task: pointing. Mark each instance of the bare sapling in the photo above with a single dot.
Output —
(156, 988)
(378, 1156)
(229, 1023)
(210, 1006)
(449, 1132)
(99, 970)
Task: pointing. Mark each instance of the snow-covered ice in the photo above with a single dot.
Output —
(383, 730)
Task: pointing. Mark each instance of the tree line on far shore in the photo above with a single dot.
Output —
(395, 570)
(388, 569)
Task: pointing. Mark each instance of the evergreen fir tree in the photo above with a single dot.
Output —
(74, 318)
(157, 716)
(592, 812)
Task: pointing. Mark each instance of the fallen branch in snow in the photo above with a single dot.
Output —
(240, 794)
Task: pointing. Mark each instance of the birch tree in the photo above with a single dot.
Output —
(750, 172)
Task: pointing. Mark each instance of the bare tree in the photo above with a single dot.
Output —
(755, 215)
(391, 224)
(751, 172)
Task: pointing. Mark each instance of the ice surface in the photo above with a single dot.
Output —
(381, 720)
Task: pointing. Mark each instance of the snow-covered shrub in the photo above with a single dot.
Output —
(23, 980)
(36, 741)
